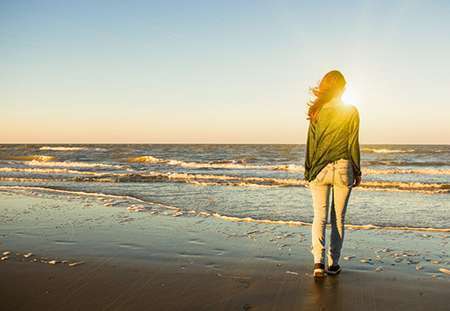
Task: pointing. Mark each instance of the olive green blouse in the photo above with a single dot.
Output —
(334, 136)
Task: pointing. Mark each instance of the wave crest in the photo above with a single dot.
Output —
(404, 163)
(370, 171)
(384, 150)
(227, 180)
(63, 148)
(34, 170)
(35, 158)
(218, 164)
(73, 164)
(145, 159)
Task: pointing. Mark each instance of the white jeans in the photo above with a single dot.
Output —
(338, 177)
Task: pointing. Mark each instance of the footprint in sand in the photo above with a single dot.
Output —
(131, 246)
(219, 251)
(64, 242)
(212, 265)
(190, 254)
(196, 242)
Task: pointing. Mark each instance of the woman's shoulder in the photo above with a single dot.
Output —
(350, 109)
(354, 109)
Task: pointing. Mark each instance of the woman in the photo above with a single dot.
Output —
(332, 164)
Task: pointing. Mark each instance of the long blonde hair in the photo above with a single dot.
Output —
(331, 85)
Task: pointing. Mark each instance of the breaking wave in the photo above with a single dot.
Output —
(293, 168)
(431, 188)
(34, 170)
(35, 158)
(404, 163)
(406, 171)
(62, 148)
(383, 150)
(227, 180)
(221, 164)
(73, 164)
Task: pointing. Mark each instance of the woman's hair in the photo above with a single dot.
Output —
(329, 87)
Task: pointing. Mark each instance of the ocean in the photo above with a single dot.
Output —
(404, 187)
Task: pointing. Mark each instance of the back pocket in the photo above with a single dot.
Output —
(321, 176)
(345, 175)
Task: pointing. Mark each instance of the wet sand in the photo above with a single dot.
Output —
(104, 284)
(143, 261)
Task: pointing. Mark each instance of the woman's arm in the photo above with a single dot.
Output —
(354, 146)
(308, 153)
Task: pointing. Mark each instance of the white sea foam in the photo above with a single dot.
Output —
(221, 216)
(406, 163)
(25, 179)
(48, 161)
(34, 170)
(225, 164)
(395, 171)
(72, 164)
(239, 181)
(349, 226)
(146, 159)
(293, 168)
(229, 180)
(208, 179)
(406, 186)
(62, 148)
(383, 150)
(35, 158)
(85, 193)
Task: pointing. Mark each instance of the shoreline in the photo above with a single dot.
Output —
(217, 215)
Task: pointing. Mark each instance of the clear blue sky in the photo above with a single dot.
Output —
(219, 71)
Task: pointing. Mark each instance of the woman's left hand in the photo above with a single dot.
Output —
(357, 181)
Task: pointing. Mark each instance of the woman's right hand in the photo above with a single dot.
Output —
(357, 181)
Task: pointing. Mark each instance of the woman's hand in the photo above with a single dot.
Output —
(357, 181)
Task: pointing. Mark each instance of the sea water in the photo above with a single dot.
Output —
(404, 187)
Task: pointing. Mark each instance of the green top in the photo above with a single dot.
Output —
(334, 136)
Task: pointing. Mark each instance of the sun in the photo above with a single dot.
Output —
(351, 96)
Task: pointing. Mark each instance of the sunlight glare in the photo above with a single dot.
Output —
(350, 96)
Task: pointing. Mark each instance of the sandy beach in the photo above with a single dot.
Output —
(105, 284)
(131, 260)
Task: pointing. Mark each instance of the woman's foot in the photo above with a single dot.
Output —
(333, 270)
(319, 270)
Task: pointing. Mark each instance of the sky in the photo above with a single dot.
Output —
(219, 71)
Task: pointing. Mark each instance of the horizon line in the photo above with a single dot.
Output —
(193, 143)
